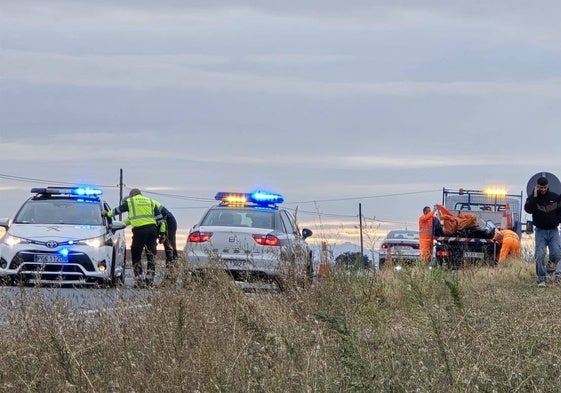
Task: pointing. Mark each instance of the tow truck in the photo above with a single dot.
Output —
(494, 208)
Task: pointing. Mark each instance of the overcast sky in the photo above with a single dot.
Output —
(331, 103)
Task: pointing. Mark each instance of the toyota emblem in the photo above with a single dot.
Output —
(51, 244)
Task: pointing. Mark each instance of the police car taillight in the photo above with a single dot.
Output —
(199, 237)
(266, 240)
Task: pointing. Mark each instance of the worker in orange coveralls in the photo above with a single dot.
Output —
(510, 244)
(426, 235)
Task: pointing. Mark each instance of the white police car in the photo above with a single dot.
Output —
(59, 236)
(253, 239)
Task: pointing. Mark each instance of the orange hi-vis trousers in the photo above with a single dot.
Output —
(426, 246)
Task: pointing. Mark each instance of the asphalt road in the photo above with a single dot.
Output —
(85, 299)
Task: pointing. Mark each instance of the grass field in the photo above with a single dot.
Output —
(420, 330)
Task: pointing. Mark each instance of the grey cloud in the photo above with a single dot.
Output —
(150, 72)
(514, 14)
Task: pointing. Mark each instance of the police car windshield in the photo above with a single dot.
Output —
(59, 211)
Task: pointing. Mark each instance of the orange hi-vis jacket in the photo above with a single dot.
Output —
(426, 241)
(510, 244)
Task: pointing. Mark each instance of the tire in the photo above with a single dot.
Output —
(116, 281)
(281, 284)
(310, 271)
(121, 278)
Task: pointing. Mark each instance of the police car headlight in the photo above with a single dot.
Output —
(95, 242)
(13, 240)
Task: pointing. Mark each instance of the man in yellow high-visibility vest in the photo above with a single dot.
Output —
(147, 222)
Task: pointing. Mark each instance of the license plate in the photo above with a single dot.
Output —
(472, 254)
(235, 263)
(50, 258)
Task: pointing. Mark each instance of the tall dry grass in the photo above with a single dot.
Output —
(419, 330)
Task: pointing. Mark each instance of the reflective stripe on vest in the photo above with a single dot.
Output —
(141, 211)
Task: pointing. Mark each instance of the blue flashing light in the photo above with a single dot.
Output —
(80, 191)
(262, 198)
(265, 197)
(88, 191)
(64, 252)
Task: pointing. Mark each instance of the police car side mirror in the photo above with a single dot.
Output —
(306, 233)
(4, 223)
(117, 226)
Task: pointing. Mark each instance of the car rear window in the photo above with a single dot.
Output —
(250, 218)
(409, 235)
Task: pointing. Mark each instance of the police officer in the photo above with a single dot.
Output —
(146, 220)
(169, 242)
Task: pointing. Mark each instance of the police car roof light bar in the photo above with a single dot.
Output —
(258, 197)
(83, 191)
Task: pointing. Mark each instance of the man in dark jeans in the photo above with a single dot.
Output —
(170, 245)
(543, 205)
(168, 241)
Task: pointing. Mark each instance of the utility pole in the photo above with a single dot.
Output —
(120, 189)
(360, 226)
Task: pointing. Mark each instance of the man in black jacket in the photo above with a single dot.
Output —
(170, 245)
(544, 206)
